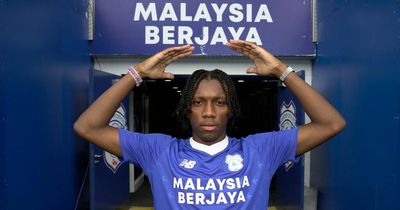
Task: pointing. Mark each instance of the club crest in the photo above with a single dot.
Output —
(119, 120)
(112, 162)
(287, 116)
(234, 162)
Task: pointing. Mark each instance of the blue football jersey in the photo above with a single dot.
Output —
(182, 177)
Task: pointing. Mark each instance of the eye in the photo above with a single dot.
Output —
(221, 102)
(197, 102)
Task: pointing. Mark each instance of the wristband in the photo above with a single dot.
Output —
(286, 73)
(135, 75)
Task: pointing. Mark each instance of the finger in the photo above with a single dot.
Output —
(256, 50)
(168, 75)
(165, 54)
(178, 56)
(251, 70)
(242, 50)
(247, 44)
(234, 44)
(177, 51)
(248, 54)
(167, 58)
(183, 54)
(235, 41)
(235, 47)
(177, 48)
(251, 47)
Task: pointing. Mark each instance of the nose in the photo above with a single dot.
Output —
(209, 110)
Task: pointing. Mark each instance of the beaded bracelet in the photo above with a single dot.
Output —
(135, 75)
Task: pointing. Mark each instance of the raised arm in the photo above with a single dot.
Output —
(93, 126)
(326, 122)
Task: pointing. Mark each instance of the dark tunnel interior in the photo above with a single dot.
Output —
(257, 98)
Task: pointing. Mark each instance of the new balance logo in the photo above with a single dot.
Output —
(187, 163)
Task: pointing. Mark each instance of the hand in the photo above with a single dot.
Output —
(265, 62)
(154, 67)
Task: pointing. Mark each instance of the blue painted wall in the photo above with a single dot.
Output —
(44, 87)
(357, 69)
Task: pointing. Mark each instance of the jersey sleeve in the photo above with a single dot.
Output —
(142, 149)
(277, 147)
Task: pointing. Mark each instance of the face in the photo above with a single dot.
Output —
(209, 111)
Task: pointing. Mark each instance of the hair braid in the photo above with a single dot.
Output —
(184, 104)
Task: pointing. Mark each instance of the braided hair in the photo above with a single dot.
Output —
(184, 105)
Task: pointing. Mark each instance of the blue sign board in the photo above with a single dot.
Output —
(145, 27)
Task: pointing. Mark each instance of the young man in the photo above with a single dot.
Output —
(210, 170)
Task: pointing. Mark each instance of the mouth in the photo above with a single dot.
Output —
(209, 128)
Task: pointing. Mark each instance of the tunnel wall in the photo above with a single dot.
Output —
(357, 69)
(44, 63)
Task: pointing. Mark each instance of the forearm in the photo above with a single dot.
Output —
(317, 108)
(325, 123)
(93, 126)
(325, 120)
(103, 108)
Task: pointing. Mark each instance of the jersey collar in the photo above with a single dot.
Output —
(210, 149)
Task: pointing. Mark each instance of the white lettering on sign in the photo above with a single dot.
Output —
(213, 12)
(141, 11)
(236, 11)
(184, 35)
